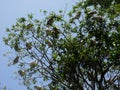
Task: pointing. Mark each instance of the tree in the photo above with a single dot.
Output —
(78, 53)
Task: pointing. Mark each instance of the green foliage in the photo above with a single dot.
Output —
(78, 53)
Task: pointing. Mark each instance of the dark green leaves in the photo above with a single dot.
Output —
(30, 16)
(16, 47)
(16, 60)
(21, 73)
(37, 88)
(29, 45)
(21, 20)
(29, 26)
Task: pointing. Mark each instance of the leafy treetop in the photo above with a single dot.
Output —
(78, 53)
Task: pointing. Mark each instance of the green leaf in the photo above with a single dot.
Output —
(54, 55)
(5, 41)
(15, 61)
(117, 8)
(30, 16)
(29, 26)
(33, 64)
(29, 45)
(21, 73)
(16, 47)
(21, 20)
(34, 81)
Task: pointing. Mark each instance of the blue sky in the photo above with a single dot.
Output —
(10, 10)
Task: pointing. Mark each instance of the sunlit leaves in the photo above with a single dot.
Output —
(117, 8)
(54, 55)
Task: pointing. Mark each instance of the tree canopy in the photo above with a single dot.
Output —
(79, 50)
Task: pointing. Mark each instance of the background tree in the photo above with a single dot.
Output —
(77, 53)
